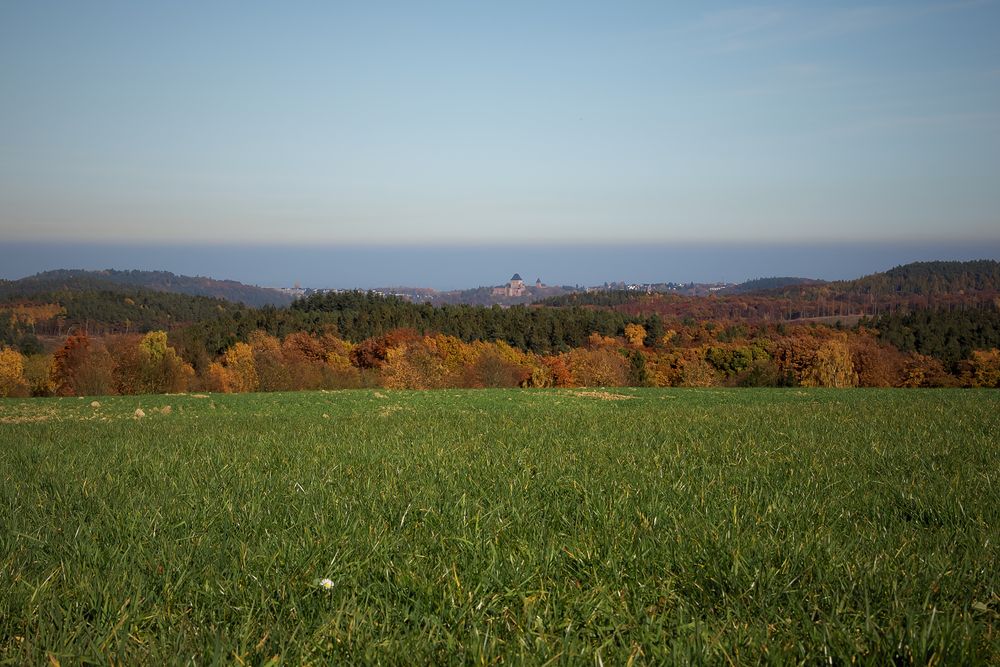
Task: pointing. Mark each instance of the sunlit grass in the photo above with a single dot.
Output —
(474, 526)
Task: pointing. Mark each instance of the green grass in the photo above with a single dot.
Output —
(677, 526)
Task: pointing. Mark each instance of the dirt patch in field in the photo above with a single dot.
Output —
(603, 395)
(25, 419)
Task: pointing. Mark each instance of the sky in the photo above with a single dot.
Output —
(451, 129)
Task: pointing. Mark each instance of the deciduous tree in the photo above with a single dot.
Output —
(635, 334)
(237, 372)
(82, 367)
(986, 368)
(12, 380)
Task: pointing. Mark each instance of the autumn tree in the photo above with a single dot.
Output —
(920, 370)
(38, 374)
(597, 341)
(149, 365)
(414, 365)
(273, 373)
(237, 371)
(372, 353)
(12, 380)
(635, 334)
(82, 367)
(696, 372)
(831, 366)
(986, 368)
(597, 367)
(558, 371)
(817, 357)
(877, 364)
(338, 371)
(493, 368)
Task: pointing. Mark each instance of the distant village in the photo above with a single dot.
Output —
(515, 291)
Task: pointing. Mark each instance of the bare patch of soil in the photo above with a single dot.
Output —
(603, 395)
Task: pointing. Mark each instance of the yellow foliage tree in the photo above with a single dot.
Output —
(237, 372)
(831, 366)
(413, 366)
(635, 334)
(340, 372)
(456, 357)
(162, 368)
(38, 374)
(12, 380)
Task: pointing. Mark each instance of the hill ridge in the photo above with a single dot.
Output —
(161, 281)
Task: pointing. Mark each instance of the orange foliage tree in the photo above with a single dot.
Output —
(82, 367)
(876, 364)
(986, 368)
(596, 367)
(923, 371)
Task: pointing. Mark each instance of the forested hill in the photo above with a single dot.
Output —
(907, 288)
(161, 281)
(931, 278)
(777, 282)
(51, 308)
(360, 315)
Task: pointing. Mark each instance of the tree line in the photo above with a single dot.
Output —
(696, 354)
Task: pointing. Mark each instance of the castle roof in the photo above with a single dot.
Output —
(517, 276)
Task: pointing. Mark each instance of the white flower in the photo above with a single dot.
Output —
(326, 583)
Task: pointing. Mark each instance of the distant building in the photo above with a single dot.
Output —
(514, 287)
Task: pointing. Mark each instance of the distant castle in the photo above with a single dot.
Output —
(515, 287)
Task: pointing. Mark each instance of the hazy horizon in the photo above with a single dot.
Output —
(457, 267)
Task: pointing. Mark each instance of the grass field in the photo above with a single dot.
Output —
(628, 525)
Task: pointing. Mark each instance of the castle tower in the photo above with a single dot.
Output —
(516, 286)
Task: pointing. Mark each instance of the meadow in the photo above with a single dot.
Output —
(624, 526)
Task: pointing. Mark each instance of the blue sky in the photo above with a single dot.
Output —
(476, 123)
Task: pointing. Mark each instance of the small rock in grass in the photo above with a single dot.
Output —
(95, 404)
(166, 410)
(139, 414)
